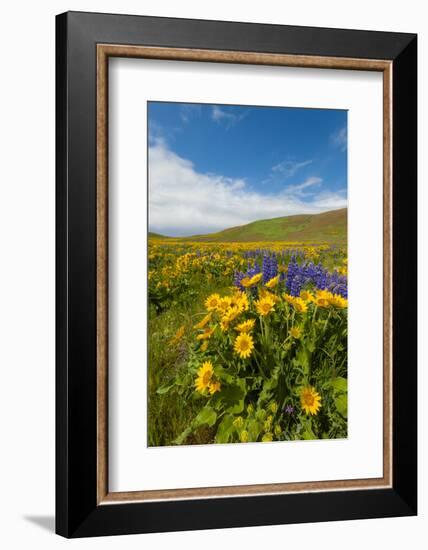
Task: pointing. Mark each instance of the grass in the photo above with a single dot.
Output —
(167, 418)
(330, 227)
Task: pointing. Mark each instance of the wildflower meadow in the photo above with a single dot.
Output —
(247, 342)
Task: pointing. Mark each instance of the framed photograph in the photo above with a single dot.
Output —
(236, 274)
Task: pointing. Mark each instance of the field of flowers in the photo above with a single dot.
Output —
(247, 342)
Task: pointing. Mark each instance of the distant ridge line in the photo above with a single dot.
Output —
(328, 227)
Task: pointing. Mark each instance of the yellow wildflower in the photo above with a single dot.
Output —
(204, 321)
(205, 374)
(265, 305)
(177, 336)
(212, 302)
(208, 332)
(310, 400)
(214, 387)
(244, 345)
(299, 305)
(273, 282)
(296, 332)
(246, 326)
(307, 296)
(337, 301)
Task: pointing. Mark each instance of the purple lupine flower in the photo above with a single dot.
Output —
(289, 409)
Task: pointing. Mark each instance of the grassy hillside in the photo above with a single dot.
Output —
(326, 227)
(157, 236)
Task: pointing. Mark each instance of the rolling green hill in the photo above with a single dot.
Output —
(310, 228)
(157, 236)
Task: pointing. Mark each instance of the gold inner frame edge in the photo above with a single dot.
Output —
(104, 51)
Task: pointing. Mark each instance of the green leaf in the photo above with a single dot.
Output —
(225, 429)
(254, 428)
(308, 433)
(341, 402)
(303, 359)
(233, 397)
(182, 437)
(164, 389)
(340, 385)
(206, 416)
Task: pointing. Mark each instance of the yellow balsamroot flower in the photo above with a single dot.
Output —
(288, 298)
(244, 436)
(204, 321)
(177, 336)
(265, 305)
(322, 298)
(337, 301)
(214, 387)
(208, 332)
(310, 400)
(299, 305)
(263, 293)
(256, 278)
(205, 374)
(296, 332)
(244, 345)
(307, 296)
(246, 282)
(231, 313)
(212, 302)
(246, 326)
(241, 301)
(204, 346)
(224, 325)
(267, 437)
(273, 282)
(225, 303)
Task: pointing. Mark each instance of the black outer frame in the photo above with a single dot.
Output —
(77, 513)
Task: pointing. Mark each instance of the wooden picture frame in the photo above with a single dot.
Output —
(85, 506)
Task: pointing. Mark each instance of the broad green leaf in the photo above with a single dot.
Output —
(339, 384)
(341, 402)
(254, 428)
(164, 389)
(182, 437)
(233, 397)
(206, 416)
(225, 429)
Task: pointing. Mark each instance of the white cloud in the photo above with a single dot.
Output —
(189, 110)
(300, 188)
(288, 168)
(340, 139)
(183, 201)
(223, 116)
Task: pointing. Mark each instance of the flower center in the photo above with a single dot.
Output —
(308, 399)
(244, 345)
(207, 377)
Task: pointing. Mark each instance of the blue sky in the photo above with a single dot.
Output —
(218, 166)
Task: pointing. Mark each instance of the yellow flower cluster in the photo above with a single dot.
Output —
(206, 379)
(321, 298)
